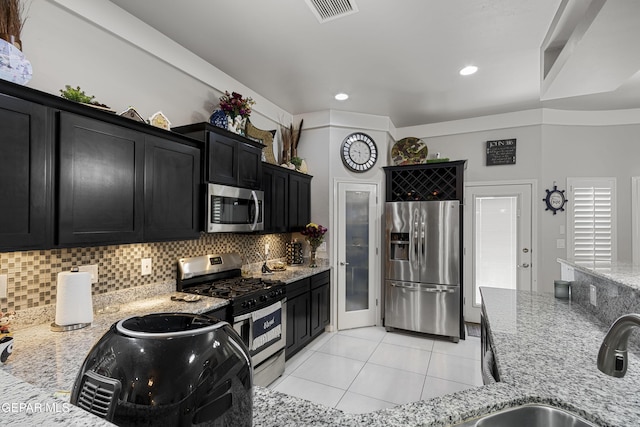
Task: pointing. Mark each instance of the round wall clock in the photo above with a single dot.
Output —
(555, 200)
(359, 152)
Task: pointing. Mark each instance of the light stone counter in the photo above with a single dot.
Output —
(545, 351)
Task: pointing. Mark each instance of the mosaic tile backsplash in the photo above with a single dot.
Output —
(32, 275)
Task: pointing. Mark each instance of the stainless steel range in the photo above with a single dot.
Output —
(257, 307)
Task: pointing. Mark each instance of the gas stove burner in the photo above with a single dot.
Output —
(220, 276)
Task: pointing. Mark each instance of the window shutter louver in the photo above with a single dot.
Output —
(592, 221)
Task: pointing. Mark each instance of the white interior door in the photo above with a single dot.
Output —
(497, 240)
(357, 240)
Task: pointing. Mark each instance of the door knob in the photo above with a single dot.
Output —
(525, 265)
(525, 250)
(344, 263)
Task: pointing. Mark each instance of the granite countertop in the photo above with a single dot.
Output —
(621, 272)
(292, 273)
(548, 348)
(545, 353)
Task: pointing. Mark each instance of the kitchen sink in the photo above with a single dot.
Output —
(534, 415)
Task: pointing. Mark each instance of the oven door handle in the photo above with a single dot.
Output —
(256, 213)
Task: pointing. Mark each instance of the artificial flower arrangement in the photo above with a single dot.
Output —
(234, 105)
(315, 236)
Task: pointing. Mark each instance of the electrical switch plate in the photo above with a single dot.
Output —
(592, 295)
(3, 285)
(146, 266)
(560, 243)
(562, 230)
(322, 247)
(91, 268)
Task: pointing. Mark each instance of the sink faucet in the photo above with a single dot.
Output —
(612, 357)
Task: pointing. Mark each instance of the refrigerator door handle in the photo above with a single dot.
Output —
(423, 238)
(415, 236)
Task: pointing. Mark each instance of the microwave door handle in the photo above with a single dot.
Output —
(256, 213)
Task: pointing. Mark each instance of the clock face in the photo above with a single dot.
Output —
(556, 200)
(359, 152)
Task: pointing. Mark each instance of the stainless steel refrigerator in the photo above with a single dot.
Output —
(422, 267)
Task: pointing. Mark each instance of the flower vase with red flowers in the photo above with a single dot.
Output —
(315, 236)
(237, 109)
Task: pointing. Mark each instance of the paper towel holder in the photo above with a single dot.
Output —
(65, 328)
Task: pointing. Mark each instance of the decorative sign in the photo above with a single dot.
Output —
(501, 152)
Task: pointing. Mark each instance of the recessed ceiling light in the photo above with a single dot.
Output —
(341, 96)
(468, 70)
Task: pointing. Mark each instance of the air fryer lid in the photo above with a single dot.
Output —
(172, 369)
(167, 325)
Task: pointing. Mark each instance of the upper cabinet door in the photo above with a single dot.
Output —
(25, 165)
(299, 201)
(100, 185)
(249, 166)
(222, 161)
(172, 190)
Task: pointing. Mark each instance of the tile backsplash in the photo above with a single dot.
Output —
(32, 275)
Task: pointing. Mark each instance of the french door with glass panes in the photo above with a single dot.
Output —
(358, 272)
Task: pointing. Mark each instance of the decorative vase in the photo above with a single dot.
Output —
(219, 119)
(312, 258)
(237, 124)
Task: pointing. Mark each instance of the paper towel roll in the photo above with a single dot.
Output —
(73, 300)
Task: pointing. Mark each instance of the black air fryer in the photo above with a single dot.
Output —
(168, 369)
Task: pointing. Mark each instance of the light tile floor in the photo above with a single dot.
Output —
(363, 370)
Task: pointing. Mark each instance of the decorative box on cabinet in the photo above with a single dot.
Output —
(25, 180)
(229, 158)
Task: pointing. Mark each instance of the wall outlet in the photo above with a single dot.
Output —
(266, 249)
(91, 268)
(3, 285)
(592, 295)
(322, 247)
(146, 266)
(560, 243)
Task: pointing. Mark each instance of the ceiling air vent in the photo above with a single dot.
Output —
(326, 10)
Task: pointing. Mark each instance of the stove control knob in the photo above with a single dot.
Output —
(263, 297)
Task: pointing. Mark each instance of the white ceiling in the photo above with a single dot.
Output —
(398, 58)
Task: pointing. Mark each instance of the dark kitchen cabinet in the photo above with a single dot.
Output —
(172, 190)
(229, 159)
(431, 181)
(299, 200)
(298, 316)
(275, 184)
(320, 297)
(72, 175)
(100, 182)
(25, 180)
(308, 310)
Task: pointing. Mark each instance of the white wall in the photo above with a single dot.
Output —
(549, 153)
(124, 62)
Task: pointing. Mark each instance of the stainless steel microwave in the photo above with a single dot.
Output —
(232, 209)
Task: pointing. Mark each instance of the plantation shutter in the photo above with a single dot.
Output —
(591, 221)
